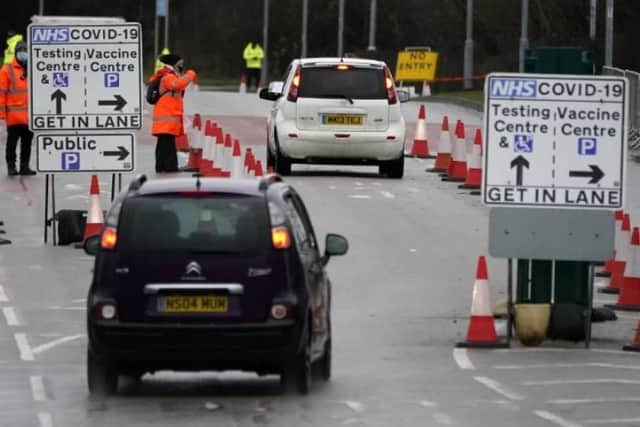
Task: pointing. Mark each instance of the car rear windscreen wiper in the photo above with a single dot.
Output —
(336, 95)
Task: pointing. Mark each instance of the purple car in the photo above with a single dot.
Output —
(209, 274)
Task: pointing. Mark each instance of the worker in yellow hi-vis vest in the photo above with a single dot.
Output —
(12, 39)
(253, 56)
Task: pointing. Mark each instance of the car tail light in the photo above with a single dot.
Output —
(280, 238)
(389, 86)
(106, 311)
(109, 238)
(281, 311)
(295, 86)
(343, 67)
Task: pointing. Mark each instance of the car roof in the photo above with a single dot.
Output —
(249, 187)
(337, 60)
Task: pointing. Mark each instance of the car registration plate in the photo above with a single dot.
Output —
(193, 304)
(342, 120)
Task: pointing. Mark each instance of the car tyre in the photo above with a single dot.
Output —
(394, 168)
(102, 377)
(297, 377)
(283, 165)
(324, 364)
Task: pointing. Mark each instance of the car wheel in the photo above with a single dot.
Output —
(283, 164)
(298, 374)
(102, 378)
(393, 168)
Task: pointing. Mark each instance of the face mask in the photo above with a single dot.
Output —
(22, 56)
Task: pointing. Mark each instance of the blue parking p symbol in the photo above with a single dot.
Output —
(111, 80)
(70, 160)
(587, 146)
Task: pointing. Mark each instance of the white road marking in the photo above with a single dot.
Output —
(461, 357)
(443, 419)
(412, 250)
(45, 419)
(37, 389)
(413, 190)
(592, 381)
(427, 404)
(359, 196)
(332, 187)
(3, 295)
(26, 353)
(387, 195)
(79, 300)
(35, 267)
(614, 421)
(546, 415)
(11, 316)
(57, 307)
(564, 350)
(359, 184)
(569, 365)
(48, 346)
(498, 388)
(355, 406)
(593, 400)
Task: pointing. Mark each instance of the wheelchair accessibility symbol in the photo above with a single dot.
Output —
(60, 79)
(523, 143)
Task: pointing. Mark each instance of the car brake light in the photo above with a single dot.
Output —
(109, 238)
(295, 86)
(389, 86)
(343, 67)
(280, 238)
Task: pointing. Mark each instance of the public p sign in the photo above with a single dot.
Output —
(555, 141)
(416, 65)
(85, 77)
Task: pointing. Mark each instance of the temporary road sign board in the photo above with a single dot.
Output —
(60, 153)
(85, 77)
(555, 141)
(416, 65)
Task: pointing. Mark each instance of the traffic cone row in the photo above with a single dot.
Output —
(629, 285)
(215, 153)
(614, 264)
(481, 331)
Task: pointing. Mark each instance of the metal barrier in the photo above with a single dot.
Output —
(634, 106)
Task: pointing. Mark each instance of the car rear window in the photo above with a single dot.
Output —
(212, 224)
(354, 83)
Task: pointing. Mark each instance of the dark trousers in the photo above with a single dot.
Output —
(15, 133)
(166, 154)
(253, 75)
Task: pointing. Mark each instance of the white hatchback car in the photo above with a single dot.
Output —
(336, 111)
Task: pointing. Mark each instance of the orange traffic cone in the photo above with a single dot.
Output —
(258, 169)
(622, 255)
(420, 147)
(94, 214)
(444, 148)
(243, 84)
(207, 163)
(635, 345)
(236, 163)
(458, 166)
(249, 163)
(228, 152)
(474, 174)
(195, 144)
(629, 298)
(481, 331)
(608, 266)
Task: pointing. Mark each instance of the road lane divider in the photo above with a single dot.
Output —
(26, 354)
(37, 388)
(498, 388)
(11, 316)
(556, 419)
(462, 359)
(3, 295)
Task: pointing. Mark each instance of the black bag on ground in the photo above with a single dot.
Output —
(71, 224)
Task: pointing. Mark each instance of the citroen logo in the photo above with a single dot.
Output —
(194, 268)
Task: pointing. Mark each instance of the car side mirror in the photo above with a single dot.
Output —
(335, 245)
(403, 95)
(91, 245)
(268, 95)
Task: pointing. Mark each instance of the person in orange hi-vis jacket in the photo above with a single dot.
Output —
(14, 110)
(169, 109)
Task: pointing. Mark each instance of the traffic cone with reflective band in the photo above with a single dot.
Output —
(444, 148)
(458, 166)
(243, 84)
(420, 147)
(196, 143)
(237, 169)
(207, 162)
(95, 218)
(635, 345)
(249, 162)
(474, 173)
(629, 298)
(258, 169)
(481, 331)
(228, 152)
(218, 152)
(606, 270)
(426, 88)
(622, 255)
